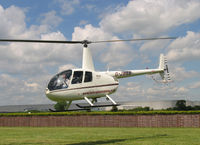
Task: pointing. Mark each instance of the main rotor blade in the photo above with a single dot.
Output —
(40, 41)
(85, 42)
(142, 39)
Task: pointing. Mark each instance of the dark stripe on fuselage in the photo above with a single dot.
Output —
(84, 87)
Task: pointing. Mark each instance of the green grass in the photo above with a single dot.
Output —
(98, 136)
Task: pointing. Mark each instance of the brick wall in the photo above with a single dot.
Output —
(179, 120)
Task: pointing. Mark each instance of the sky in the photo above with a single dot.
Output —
(26, 68)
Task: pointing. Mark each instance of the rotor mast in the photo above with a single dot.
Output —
(87, 61)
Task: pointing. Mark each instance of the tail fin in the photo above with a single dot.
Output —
(162, 62)
(163, 66)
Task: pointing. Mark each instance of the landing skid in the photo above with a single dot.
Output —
(88, 107)
(95, 106)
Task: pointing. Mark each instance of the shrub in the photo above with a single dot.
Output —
(60, 106)
(101, 113)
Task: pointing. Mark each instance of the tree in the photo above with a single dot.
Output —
(60, 106)
(181, 105)
(114, 109)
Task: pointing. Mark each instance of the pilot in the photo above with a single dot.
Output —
(60, 81)
(65, 81)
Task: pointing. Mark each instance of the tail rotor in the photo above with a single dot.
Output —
(165, 75)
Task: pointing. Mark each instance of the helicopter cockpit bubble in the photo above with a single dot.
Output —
(60, 81)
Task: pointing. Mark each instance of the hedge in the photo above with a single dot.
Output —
(101, 113)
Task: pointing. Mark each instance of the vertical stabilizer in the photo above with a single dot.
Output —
(162, 62)
(87, 62)
(163, 66)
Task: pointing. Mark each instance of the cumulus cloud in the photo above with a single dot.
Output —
(141, 91)
(12, 21)
(15, 90)
(32, 58)
(90, 7)
(50, 18)
(83, 22)
(67, 6)
(156, 46)
(150, 18)
(118, 55)
(179, 73)
(32, 62)
(195, 85)
(25, 66)
(66, 67)
(90, 32)
(162, 92)
(146, 18)
(185, 48)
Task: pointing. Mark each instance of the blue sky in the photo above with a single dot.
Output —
(26, 68)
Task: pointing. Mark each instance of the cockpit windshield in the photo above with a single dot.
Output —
(60, 81)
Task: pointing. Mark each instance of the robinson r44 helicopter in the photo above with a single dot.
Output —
(87, 84)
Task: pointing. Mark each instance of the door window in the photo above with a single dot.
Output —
(88, 76)
(77, 77)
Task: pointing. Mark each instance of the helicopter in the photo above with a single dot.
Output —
(87, 84)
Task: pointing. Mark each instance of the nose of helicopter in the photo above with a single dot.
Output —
(47, 91)
(49, 94)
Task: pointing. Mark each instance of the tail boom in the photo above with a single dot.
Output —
(130, 73)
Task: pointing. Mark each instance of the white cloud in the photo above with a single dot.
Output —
(179, 73)
(32, 58)
(114, 54)
(118, 55)
(68, 6)
(19, 91)
(33, 86)
(12, 21)
(185, 48)
(91, 33)
(149, 18)
(24, 67)
(83, 22)
(139, 18)
(130, 91)
(141, 91)
(156, 46)
(195, 85)
(66, 67)
(50, 18)
(31, 64)
(90, 7)
(163, 92)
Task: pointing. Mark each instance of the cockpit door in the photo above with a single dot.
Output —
(77, 77)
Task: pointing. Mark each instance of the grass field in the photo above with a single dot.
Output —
(98, 136)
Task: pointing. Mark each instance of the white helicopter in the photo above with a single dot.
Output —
(87, 84)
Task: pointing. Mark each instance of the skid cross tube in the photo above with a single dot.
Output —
(88, 101)
(111, 99)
